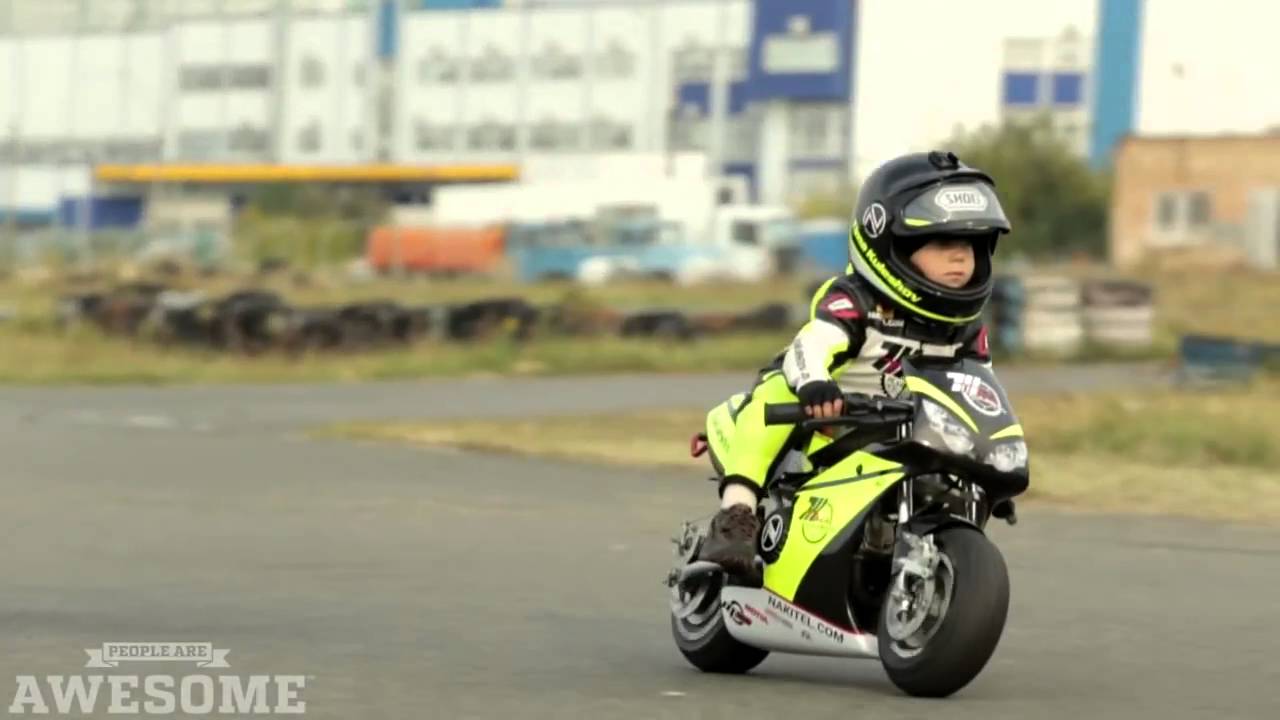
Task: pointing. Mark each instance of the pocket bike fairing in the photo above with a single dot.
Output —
(876, 547)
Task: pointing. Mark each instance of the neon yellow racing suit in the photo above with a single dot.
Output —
(849, 339)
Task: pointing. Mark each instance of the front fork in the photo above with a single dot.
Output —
(915, 560)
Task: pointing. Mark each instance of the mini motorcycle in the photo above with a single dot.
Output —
(872, 543)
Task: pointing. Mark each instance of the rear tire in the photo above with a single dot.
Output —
(971, 629)
(707, 643)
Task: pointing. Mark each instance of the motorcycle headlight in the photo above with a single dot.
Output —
(957, 437)
(1008, 457)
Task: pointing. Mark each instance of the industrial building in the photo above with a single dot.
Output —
(787, 96)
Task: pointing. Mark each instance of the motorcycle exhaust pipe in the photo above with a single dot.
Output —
(696, 570)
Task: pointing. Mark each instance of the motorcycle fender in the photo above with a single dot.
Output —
(932, 524)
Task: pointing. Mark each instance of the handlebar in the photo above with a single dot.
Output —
(856, 407)
(783, 413)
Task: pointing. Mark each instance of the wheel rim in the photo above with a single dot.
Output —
(913, 617)
(696, 607)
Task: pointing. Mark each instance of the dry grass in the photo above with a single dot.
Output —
(84, 356)
(1174, 453)
(1237, 303)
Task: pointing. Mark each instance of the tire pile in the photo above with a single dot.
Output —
(255, 321)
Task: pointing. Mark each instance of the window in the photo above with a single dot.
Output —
(312, 72)
(248, 139)
(309, 137)
(688, 129)
(553, 63)
(438, 67)
(52, 152)
(199, 77)
(250, 77)
(740, 140)
(615, 61)
(745, 232)
(490, 135)
(607, 134)
(491, 66)
(554, 135)
(200, 144)
(1183, 210)
(434, 137)
(1199, 211)
(692, 62)
(1167, 211)
(816, 131)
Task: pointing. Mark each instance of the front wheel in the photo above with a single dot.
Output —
(937, 634)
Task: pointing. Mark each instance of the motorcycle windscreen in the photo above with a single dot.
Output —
(969, 206)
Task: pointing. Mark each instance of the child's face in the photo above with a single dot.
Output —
(946, 262)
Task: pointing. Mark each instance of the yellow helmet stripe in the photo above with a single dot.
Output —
(867, 260)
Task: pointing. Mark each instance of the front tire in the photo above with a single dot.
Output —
(701, 634)
(975, 612)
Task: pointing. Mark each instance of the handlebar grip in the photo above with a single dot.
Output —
(784, 413)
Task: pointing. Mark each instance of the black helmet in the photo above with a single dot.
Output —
(906, 203)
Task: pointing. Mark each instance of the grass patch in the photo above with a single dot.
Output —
(1222, 427)
(84, 356)
(1194, 454)
(1232, 304)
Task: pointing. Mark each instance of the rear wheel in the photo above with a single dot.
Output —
(939, 634)
(700, 633)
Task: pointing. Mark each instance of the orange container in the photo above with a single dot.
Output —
(448, 249)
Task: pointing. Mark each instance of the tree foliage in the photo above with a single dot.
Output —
(1057, 204)
(307, 225)
(1055, 201)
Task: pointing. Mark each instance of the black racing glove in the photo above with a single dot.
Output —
(816, 393)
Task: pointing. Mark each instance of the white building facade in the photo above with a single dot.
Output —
(793, 96)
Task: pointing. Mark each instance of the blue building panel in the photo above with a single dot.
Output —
(1068, 88)
(748, 172)
(698, 94)
(455, 4)
(1115, 70)
(1021, 89)
(388, 29)
(100, 213)
(802, 49)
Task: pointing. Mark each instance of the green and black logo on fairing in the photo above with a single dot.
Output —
(874, 260)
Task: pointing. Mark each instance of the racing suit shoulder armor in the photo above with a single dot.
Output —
(835, 328)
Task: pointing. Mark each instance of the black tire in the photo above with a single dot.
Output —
(971, 630)
(717, 651)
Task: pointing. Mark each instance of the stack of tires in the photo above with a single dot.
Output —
(1053, 320)
(1004, 314)
(1119, 314)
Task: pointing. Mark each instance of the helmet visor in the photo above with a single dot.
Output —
(953, 207)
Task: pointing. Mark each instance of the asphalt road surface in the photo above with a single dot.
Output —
(254, 408)
(410, 583)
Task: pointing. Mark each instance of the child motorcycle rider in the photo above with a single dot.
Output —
(921, 243)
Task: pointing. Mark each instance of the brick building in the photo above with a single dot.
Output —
(1213, 198)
